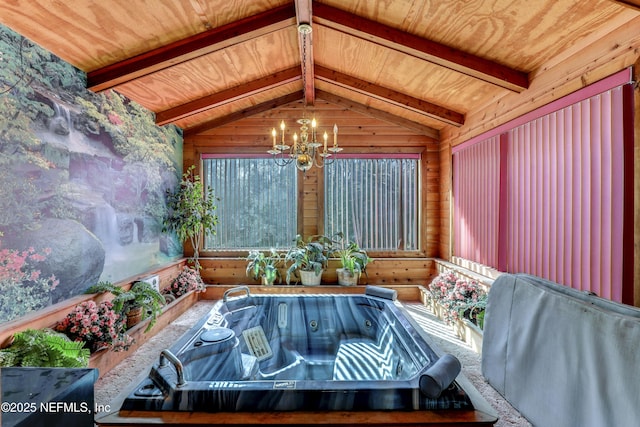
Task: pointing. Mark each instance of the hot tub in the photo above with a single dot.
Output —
(301, 353)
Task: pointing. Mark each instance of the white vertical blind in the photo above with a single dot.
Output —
(257, 206)
(373, 201)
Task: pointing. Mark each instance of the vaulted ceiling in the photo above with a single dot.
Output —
(422, 65)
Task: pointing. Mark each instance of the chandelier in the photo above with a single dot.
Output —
(305, 150)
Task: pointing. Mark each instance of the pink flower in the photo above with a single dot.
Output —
(96, 325)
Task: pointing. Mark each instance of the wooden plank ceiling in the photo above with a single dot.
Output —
(420, 65)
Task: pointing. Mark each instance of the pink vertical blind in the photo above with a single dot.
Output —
(565, 195)
(550, 193)
(476, 197)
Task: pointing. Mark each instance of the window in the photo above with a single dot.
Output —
(374, 201)
(258, 202)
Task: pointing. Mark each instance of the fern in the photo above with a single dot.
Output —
(7, 358)
(64, 352)
(44, 348)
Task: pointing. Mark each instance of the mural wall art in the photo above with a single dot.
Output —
(83, 178)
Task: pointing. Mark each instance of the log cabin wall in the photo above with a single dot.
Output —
(358, 133)
(445, 203)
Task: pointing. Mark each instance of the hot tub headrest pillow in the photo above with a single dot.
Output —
(440, 376)
(380, 292)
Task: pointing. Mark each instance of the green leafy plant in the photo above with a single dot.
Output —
(44, 348)
(352, 257)
(309, 254)
(190, 212)
(141, 294)
(263, 265)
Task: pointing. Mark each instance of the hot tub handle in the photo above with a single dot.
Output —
(167, 355)
(236, 289)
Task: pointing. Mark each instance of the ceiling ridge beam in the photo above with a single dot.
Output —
(425, 49)
(389, 95)
(228, 95)
(191, 47)
(305, 44)
(247, 112)
(379, 114)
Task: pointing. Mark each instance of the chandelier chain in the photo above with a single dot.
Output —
(304, 68)
(305, 152)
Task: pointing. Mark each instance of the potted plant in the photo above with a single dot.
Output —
(308, 258)
(190, 212)
(459, 298)
(353, 260)
(188, 280)
(140, 302)
(264, 266)
(99, 326)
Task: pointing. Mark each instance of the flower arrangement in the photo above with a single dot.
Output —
(188, 280)
(98, 325)
(459, 298)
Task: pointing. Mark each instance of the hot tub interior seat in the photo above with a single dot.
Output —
(316, 342)
(358, 360)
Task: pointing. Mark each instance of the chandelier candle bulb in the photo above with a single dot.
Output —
(313, 129)
(325, 140)
(273, 133)
(335, 135)
(282, 128)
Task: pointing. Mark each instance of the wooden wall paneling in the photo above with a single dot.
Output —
(636, 188)
(261, 138)
(430, 202)
(445, 203)
(224, 270)
(320, 201)
(357, 133)
(309, 201)
(382, 271)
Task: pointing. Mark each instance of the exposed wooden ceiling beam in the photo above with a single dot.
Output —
(305, 42)
(419, 47)
(191, 47)
(634, 4)
(256, 109)
(379, 114)
(388, 95)
(229, 95)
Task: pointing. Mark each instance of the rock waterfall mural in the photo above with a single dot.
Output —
(82, 182)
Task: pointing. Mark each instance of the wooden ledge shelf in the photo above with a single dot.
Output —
(475, 418)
